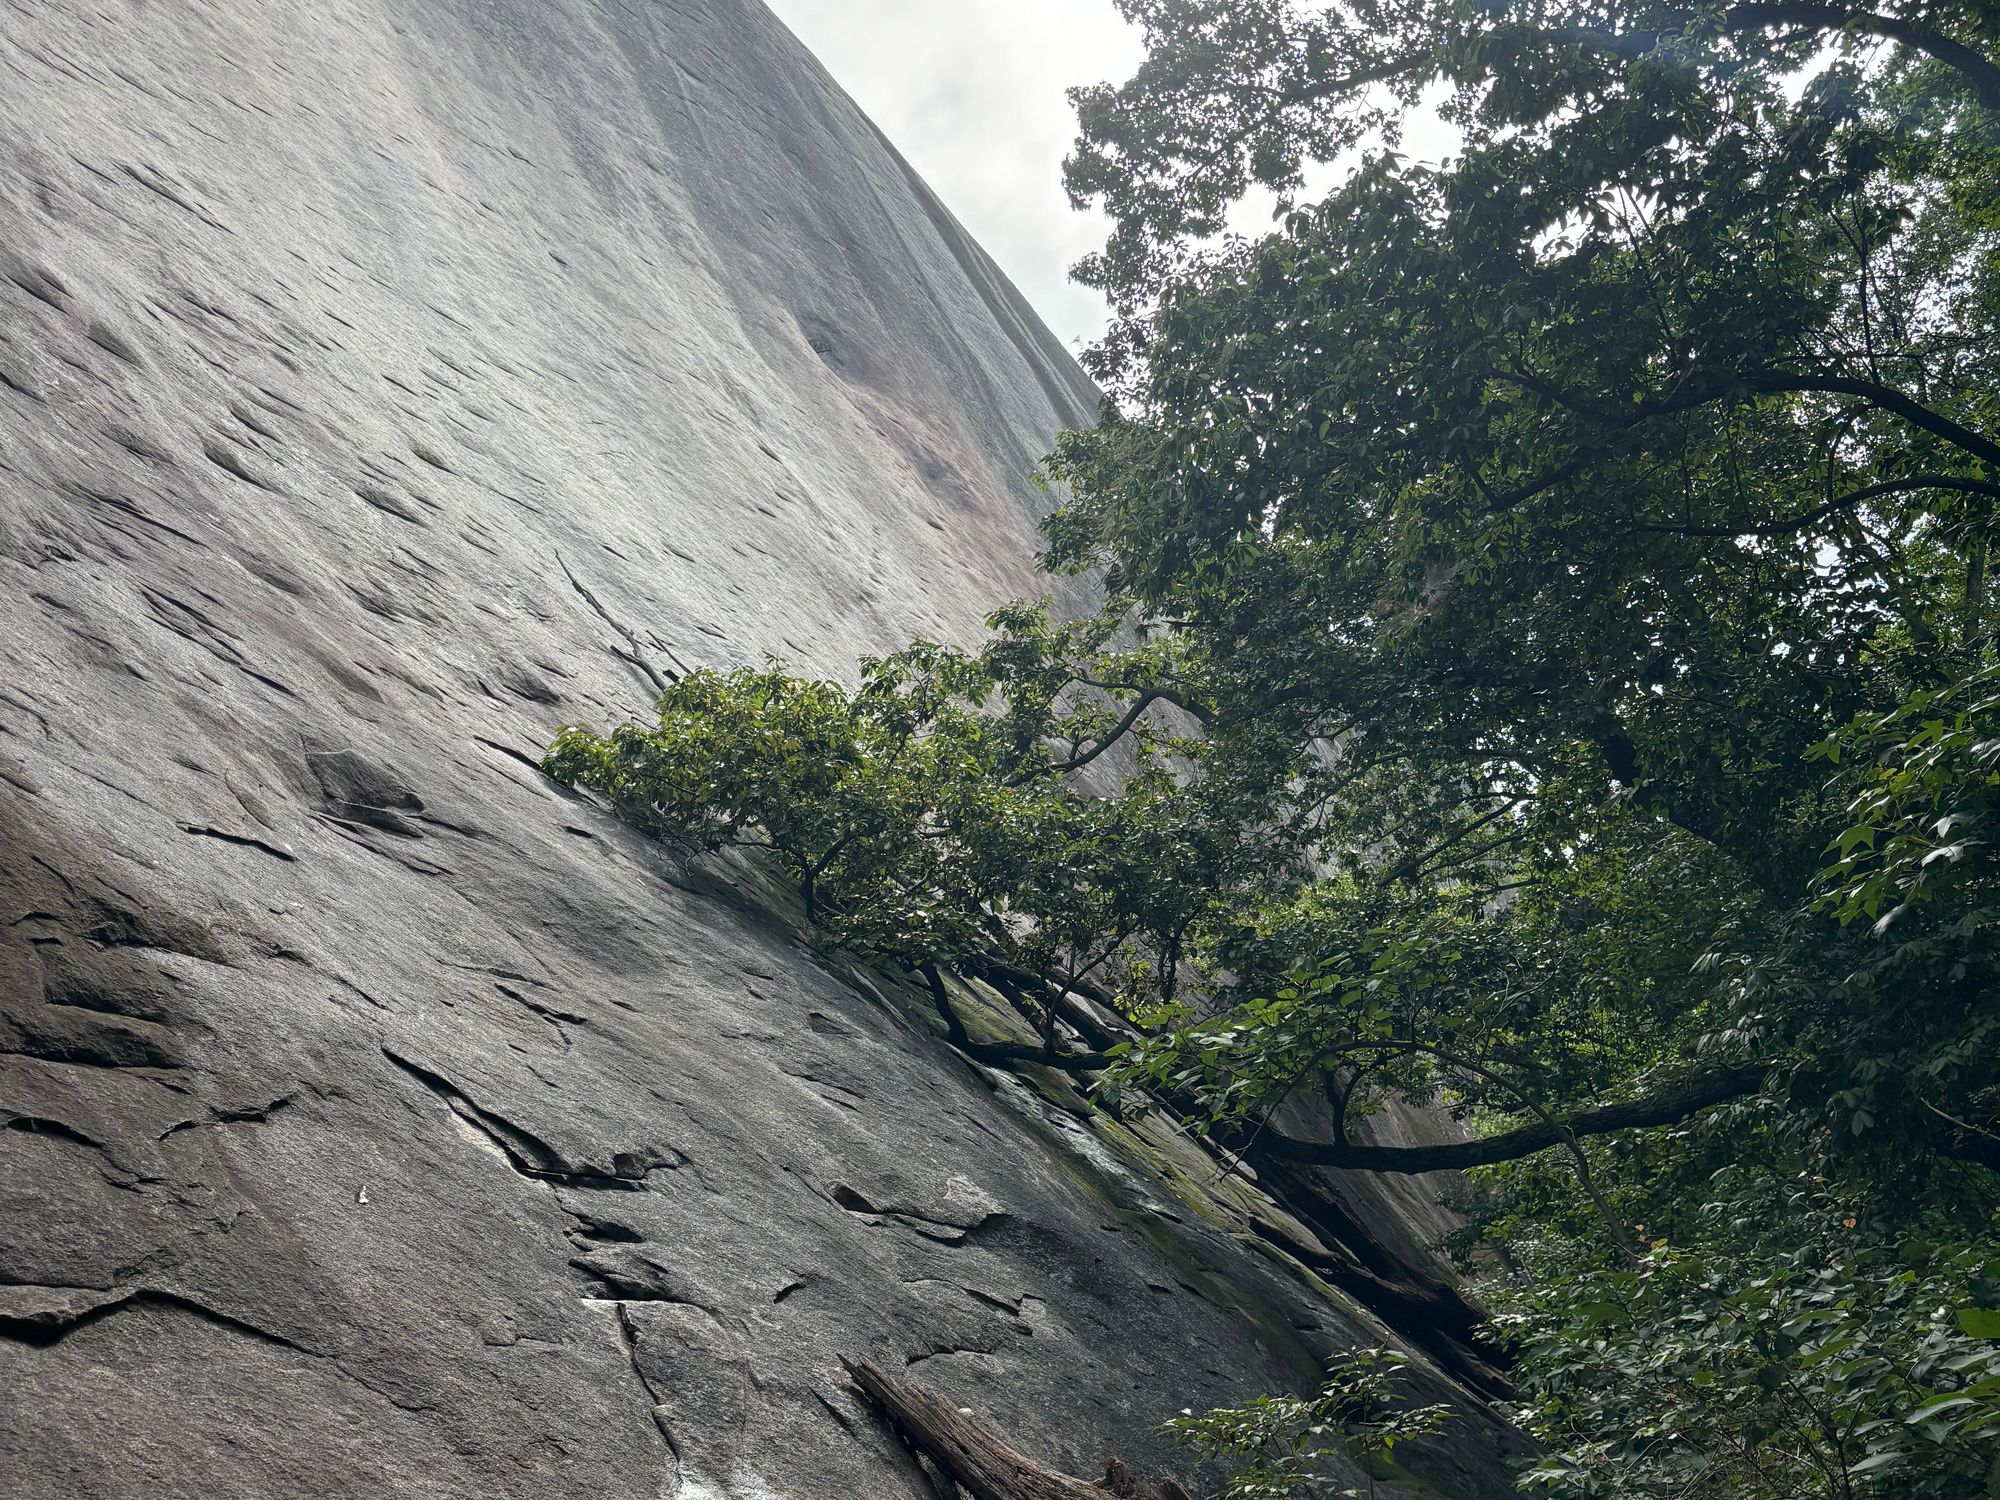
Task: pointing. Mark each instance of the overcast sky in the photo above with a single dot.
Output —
(971, 91)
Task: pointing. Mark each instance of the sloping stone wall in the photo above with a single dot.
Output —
(383, 382)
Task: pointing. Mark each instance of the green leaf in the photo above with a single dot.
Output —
(1979, 1322)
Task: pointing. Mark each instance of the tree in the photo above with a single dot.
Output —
(1616, 499)
(1546, 675)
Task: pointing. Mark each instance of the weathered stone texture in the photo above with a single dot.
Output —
(383, 382)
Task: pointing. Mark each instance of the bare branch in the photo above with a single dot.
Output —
(1666, 1108)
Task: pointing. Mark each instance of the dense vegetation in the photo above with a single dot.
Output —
(1548, 672)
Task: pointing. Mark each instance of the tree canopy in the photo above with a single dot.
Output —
(1547, 673)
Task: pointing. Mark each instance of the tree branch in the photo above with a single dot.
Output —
(1165, 694)
(1000, 1054)
(1832, 507)
(1968, 1142)
(1980, 73)
(1699, 388)
(1534, 487)
(1420, 862)
(1973, 66)
(1780, 382)
(1104, 742)
(1667, 1108)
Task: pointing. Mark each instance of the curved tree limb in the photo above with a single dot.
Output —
(1705, 387)
(1978, 70)
(1887, 398)
(1954, 482)
(1967, 1141)
(1980, 73)
(1666, 1108)
(1104, 742)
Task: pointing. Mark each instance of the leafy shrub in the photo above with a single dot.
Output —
(1359, 1417)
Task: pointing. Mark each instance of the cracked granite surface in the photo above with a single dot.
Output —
(383, 382)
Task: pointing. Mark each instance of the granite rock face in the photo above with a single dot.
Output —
(383, 382)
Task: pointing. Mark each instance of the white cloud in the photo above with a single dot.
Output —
(972, 92)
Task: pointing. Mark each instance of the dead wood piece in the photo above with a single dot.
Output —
(977, 1460)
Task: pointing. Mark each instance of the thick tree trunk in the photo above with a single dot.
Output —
(978, 1461)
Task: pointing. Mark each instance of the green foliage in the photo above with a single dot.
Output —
(1612, 503)
(1925, 785)
(1248, 97)
(1547, 669)
(932, 814)
(1423, 1002)
(1297, 1447)
(741, 751)
(1832, 1360)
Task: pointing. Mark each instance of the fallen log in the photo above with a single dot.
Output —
(977, 1460)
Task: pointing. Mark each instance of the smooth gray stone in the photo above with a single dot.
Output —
(382, 383)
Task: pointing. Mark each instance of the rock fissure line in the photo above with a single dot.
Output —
(528, 1154)
(628, 1341)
